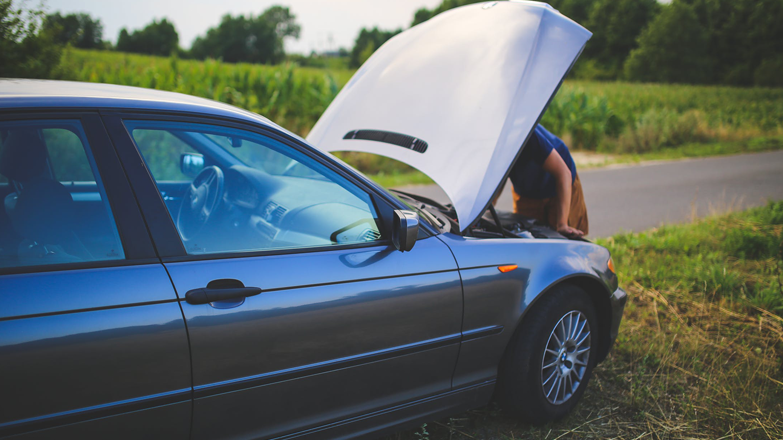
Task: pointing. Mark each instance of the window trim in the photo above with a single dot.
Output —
(165, 235)
(135, 240)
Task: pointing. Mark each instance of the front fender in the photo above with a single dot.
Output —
(496, 300)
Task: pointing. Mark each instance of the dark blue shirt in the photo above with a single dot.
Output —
(528, 175)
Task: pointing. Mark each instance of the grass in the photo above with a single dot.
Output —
(690, 151)
(700, 350)
(631, 117)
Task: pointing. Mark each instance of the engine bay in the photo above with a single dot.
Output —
(512, 225)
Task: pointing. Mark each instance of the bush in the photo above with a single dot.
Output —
(772, 214)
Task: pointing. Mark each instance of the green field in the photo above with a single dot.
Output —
(631, 121)
(294, 97)
(700, 349)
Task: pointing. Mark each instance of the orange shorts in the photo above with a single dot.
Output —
(544, 210)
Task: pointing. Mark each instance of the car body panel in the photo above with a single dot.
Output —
(158, 422)
(471, 82)
(316, 401)
(70, 347)
(79, 290)
(367, 327)
(495, 299)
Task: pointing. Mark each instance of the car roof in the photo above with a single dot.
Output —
(48, 94)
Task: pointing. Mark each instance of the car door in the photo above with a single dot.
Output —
(92, 338)
(327, 320)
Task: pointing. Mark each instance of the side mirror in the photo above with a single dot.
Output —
(191, 164)
(405, 229)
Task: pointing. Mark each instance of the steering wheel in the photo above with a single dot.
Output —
(201, 200)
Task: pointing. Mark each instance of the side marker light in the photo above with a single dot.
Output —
(507, 268)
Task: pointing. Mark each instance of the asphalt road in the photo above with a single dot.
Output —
(639, 197)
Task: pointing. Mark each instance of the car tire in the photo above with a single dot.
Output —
(537, 360)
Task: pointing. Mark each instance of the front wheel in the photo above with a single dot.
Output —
(551, 357)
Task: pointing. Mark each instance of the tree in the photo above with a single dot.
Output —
(742, 34)
(577, 10)
(367, 42)
(157, 38)
(80, 30)
(249, 39)
(26, 50)
(421, 15)
(673, 48)
(616, 25)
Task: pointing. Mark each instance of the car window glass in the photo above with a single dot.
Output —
(267, 159)
(67, 156)
(162, 150)
(246, 192)
(55, 209)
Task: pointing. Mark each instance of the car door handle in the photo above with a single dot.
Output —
(220, 290)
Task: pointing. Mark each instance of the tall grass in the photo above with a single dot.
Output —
(640, 118)
(608, 117)
(292, 96)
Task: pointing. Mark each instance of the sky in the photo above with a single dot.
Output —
(326, 24)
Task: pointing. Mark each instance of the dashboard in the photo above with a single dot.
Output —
(263, 211)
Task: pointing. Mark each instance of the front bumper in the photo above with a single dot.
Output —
(617, 301)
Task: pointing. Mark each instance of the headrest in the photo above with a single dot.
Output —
(23, 156)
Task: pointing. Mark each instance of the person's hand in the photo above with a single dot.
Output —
(570, 232)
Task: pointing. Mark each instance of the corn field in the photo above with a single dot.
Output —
(594, 116)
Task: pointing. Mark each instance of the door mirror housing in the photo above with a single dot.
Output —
(405, 229)
(191, 164)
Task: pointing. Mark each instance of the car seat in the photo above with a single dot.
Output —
(41, 209)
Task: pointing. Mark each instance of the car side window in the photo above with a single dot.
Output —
(55, 208)
(162, 151)
(239, 191)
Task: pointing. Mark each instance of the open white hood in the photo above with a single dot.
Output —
(456, 96)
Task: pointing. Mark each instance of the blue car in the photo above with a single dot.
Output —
(172, 267)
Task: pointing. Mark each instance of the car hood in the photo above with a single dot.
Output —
(457, 96)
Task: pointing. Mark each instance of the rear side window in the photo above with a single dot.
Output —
(55, 209)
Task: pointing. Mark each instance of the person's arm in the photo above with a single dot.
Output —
(555, 166)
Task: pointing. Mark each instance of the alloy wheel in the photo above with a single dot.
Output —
(566, 357)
